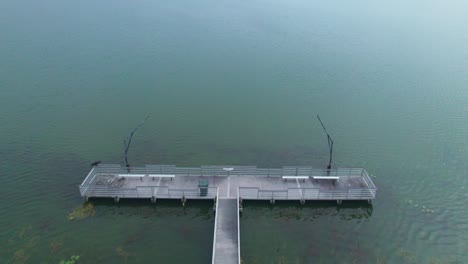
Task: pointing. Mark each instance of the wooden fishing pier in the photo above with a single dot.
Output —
(227, 187)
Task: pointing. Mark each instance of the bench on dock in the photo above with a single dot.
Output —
(285, 178)
(132, 176)
(171, 176)
(332, 178)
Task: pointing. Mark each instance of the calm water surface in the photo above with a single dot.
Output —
(235, 82)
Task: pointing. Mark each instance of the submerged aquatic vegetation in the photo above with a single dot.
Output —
(31, 242)
(55, 246)
(379, 260)
(406, 255)
(23, 231)
(121, 252)
(281, 259)
(81, 212)
(45, 224)
(436, 261)
(72, 260)
(424, 208)
(20, 256)
(25, 242)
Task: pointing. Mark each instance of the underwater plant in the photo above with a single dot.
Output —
(424, 208)
(121, 252)
(20, 256)
(25, 241)
(82, 212)
(406, 255)
(55, 246)
(73, 260)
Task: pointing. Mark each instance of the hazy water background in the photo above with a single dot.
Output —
(235, 82)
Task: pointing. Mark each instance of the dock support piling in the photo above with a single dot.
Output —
(214, 205)
(240, 205)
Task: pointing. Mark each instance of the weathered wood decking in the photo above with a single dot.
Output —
(228, 186)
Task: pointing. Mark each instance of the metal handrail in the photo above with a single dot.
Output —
(106, 191)
(238, 228)
(215, 227)
(220, 171)
(307, 194)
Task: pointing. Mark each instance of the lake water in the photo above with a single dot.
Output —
(235, 82)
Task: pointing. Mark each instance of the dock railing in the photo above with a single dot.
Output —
(238, 228)
(157, 192)
(225, 171)
(254, 193)
(213, 254)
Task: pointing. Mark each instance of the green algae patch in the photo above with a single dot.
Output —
(24, 231)
(81, 212)
(25, 241)
(72, 260)
(20, 256)
(55, 246)
(121, 252)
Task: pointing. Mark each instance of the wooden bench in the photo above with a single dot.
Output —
(332, 178)
(285, 178)
(171, 176)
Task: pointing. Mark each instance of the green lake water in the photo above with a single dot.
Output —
(235, 82)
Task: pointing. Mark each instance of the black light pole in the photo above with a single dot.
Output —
(128, 141)
(330, 144)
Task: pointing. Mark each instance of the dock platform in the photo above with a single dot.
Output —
(114, 181)
(227, 186)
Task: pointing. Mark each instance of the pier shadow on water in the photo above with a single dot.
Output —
(144, 207)
(126, 231)
(316, 232)
(348, 210)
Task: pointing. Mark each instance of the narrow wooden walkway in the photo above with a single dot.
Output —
(225, 247)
